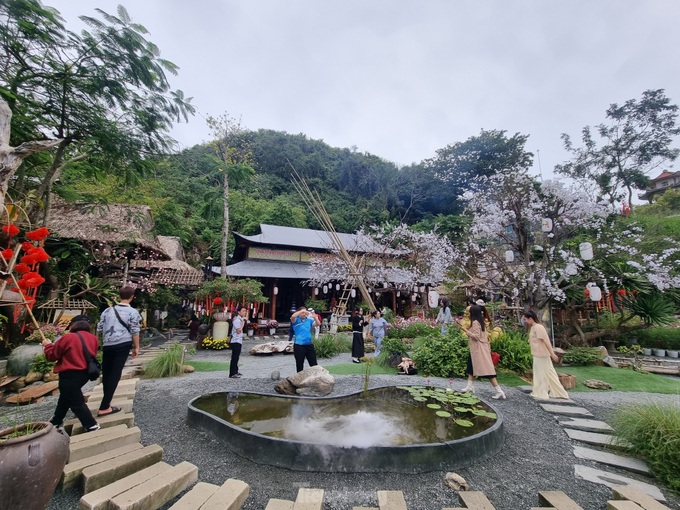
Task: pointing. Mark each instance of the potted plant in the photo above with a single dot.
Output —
(32, 456)
(272, 325)
(252, 326)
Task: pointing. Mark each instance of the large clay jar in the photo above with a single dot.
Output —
(31, 466)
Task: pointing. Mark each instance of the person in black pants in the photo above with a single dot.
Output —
(71, 366)
(358, 324)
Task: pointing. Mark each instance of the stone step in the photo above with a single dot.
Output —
(642, 498)
(279, 504)
(97, 433)
(129, 383)
(70, 477)
(565, 410)
(99, 499)
(74, 427)
(612, 459)
(124, 404)
(130, 373)
(231, 495)
(525, 389)
(309, 499)
(390, 500)
(595, 438)
(558, 500)
(615, 481)
(97, 476)
(158, 490)
(623, 505)
(556, 401)
(475, 500)
(199, 494)
(97, 445)
(123, 393)
(585, 424)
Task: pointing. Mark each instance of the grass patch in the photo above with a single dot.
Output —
(654, 432)
(623, 380)
(166, 364)
(510, 379)
(209, 366)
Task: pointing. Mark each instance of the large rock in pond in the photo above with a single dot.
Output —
(313, 381)
(20, 359)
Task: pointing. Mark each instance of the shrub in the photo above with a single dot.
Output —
(653, 430)
(51, 332)
(389, 346)
(166, 364)
(215, 344)
(327, 346)
(344, 328)
(513, 346)
(40, 364)
(660, 338)
(582, 356)
(412, 327)
(442, 355)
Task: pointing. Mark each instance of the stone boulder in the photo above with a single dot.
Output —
(597, 384)
(456, 482)
(567, 381)
(313, 381)
(272, 347)
(20, 359)
(50, 376)
(32, 377)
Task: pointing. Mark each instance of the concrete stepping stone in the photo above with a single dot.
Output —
(199, 494)
(280, 504)
(232, 494)
(585, 424)
(129, 373)
(97, 476)
(639, 497)
(125, 405)
(74, 428)
(623, 505)
(99, 499)
(124, 393)
(157, 491)
(566, 410)
(558, 500)
(525, 389)
(556, 401)
(612, 459)
(70, 477)
(311, 499)
(595, 438)
(96, 445)
(615, 481)
(475, 500)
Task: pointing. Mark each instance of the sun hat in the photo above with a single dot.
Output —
(480, 302)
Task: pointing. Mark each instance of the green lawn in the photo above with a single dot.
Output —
(623, 379)
(209, 366)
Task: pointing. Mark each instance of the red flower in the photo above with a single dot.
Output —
(22, 268)
(217, 301)
(38, 234)
(26, 246)
(22, 284)
(39, 255)
(10, 230)
(31, 279)
(28, 259)
(7, 254)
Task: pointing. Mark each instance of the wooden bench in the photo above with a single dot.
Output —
(34, 392)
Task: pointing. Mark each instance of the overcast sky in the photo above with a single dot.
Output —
(403, 78)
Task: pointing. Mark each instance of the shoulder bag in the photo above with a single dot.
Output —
(126, 326)
(94, 368)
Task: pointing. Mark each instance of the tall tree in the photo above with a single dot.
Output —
(635, 139)
(236, 158)
(103, 93)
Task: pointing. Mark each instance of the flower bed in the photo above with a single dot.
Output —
(412, 327)
(215, 344)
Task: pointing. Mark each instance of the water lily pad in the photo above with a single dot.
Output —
(434, 406)
(420, 399)
(463, 423)
(482, 412)
(443, 414)
(461, 409)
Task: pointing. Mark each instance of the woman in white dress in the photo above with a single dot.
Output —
(546, 382)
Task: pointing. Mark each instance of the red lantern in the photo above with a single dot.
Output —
(10, 230)
(26, 246)
(217, 301)
(38, 234)
(22, 268)
(39, 255)
(7, 254)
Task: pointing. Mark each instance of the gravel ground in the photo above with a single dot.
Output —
(537, 454)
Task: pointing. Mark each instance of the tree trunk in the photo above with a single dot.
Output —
(225, 227)
(11, 157)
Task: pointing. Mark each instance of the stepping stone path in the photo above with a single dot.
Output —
(115, 471)
(629, 493)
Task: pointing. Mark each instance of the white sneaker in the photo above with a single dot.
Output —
(94, 427)
(499, 395)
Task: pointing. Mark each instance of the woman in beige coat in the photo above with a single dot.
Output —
(479, 362)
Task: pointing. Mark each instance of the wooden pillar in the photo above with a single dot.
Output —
(273, 301)
(394, 302)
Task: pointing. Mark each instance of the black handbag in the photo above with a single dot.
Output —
(94, 368)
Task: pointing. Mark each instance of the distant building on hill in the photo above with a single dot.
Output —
(665, 181)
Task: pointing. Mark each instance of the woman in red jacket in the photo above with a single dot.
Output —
(71, 366)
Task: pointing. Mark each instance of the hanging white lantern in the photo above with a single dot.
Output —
(325, 289)
(337, 286)
(571, 269)
(413, 297)
(586, 250)
(398, 293)
(384, 285)
(316, 291)
(433, 298)
(415, 288)
(546, 225)
(276, 290)
(354, 293)
(595, 292)
(422, 288)
(509, 256)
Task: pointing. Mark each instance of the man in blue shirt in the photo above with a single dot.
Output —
(236, 342)
(303, 348)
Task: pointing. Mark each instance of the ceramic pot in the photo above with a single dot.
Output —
(646, 351)
(672, 354)
(660, 352)
(31, 466)
(272, 331)
(251, 332)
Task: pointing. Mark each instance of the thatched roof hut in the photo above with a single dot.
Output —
(103, 227)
